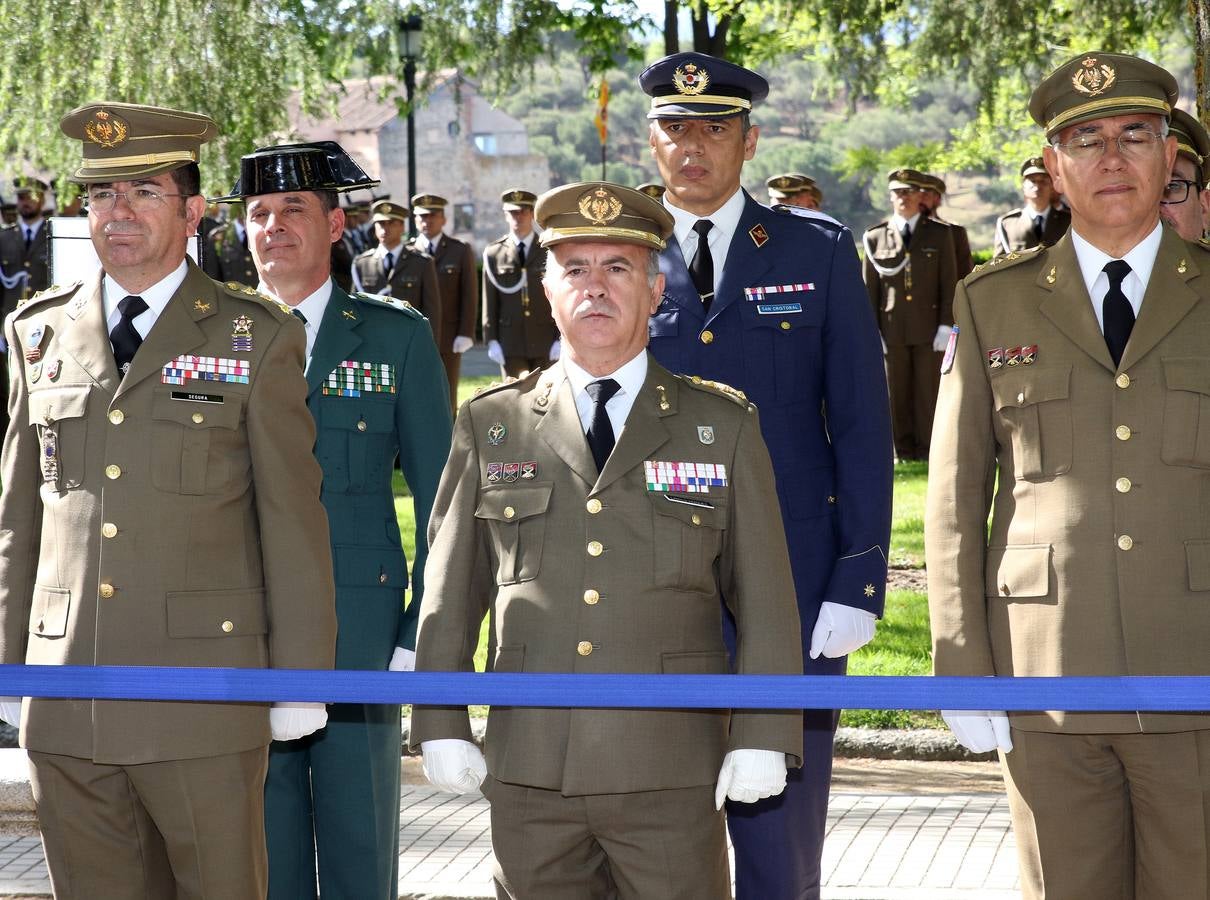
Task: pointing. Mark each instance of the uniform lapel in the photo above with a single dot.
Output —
(1066, 303)
(678, 287)
(559, 424)
(1168, 298)
(336, 339)
(175, 331)
(751, 254)
(644, 433)
(86, 338)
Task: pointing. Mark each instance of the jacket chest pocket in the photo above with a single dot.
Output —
(687, 537)
(516, 520)
(58, 415)
(408, 289)
(1034, 406)
(356, 442)
(1186, 440)
(785, 329)
(197, 447)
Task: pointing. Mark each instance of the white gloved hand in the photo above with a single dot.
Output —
(402, 661)
(495, 352)
(10, 710)
(555, 349)
(750, 775)
(979, 730)
(462, 343)
(942, 338)
(840, 630)
(453, 765)
(290, 721)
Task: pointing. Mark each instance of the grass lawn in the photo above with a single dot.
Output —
(901, 646)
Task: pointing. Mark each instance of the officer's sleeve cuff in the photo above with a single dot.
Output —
(859, 580)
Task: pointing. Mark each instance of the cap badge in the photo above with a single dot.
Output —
(690, 79)
(1093, 79)
(600, 207)
(106, 129)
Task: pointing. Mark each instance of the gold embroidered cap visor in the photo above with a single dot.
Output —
(651, 189)
(688, 85)
(423, 204)
(602, 212)
(1099, 85)
(514, 199)
(1192, 141)
(386, 211)
(906, 179)
(122, 141)
(1035, 165)
(782, 186)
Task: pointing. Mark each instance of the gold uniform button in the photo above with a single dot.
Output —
(361, 425)
(382, 577)
(584, 648)
(786, 326)
(695, 519)
(594, 506)
(228, 626)
(113, 472)
(109, 530)
(707, 336)
(106, 591)
(1122, 381)
(1004, 590)
(592, 597)
(1125, 542)
(116, 417)
(595, 548)
(509, 512)
(1123, 432)
(198, 418)
(1021, 397)
(1123, 485)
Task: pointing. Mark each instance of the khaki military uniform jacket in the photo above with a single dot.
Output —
(608, 574)
(458, 280)
(227, 258)
(412, 278)
(911, 293)
(516, 314)
(1015, 230)
(152, 523)
(964, 262)
(1098, 561)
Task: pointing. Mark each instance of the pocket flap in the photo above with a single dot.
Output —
(371, 413)
(52, 404)
(508, 503)
(211, 413)
(1021, 571)
(694, 510)
(48, 613)
(1027, 385)
(1197, 554)
(1190, 373)
(695, 662)
(370, 567)
(509, 659)
(216, 614)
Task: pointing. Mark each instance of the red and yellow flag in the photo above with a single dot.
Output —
(601, 119)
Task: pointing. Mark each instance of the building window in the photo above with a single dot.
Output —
(485, 144)
(464, 217)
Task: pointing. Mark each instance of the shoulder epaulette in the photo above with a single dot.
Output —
(390, 303)
(509, 381)
(365, 253)
(1007, 261)
(51, 293)
(735, 395)
(249, 293)
(1203, 243)
(801, 212)
(1011, 214)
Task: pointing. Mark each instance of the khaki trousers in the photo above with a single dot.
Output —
(186, 829)
(1110, 816)
(913, 376)
(669, 845)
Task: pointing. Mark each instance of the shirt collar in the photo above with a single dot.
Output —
(1031, 213)
(383, 250)
(1141, 258)
(629, 376)
(156, 297)
(528, 240)
(32, 226)
(898, 221)
(315, 304)
(724, 220)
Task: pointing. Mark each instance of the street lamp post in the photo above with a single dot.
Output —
(409, 43)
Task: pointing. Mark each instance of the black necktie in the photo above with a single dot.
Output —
(906, 232)
(600, 430)
(1117, 312)
(701, 270)
(29, 237)
(298, 315)
(521, 254)
(125, 337)
(388, 263)
(1038, 220)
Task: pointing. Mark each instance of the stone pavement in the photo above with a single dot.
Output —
(896, 831)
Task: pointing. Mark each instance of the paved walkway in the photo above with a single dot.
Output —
(922, 831)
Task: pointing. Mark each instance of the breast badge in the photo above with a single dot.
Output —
(241, 336)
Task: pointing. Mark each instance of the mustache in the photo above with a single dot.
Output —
(123, 227)
(599, 306)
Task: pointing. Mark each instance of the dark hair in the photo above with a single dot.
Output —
(188, 179)
(328, 200)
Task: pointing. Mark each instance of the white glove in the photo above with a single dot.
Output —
(979, 730)
(750, 775)
(453, 765)
(884, 347)
(840, 629)
(290, 721)
(10, 710)
(942, 338)
(462, 343)
(495, 352)
(555, 349)
(402, 661)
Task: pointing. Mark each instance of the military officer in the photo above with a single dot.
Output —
(910, 271)
(376, 389)
(227, 257)
(393, 270)
(521, 335)
(23, 249)
(1186, 201)
(572, 482)
(1040, 221)
(652, 189)
(1074, 379)
(160, 507)
(931, 199)
(794, 189)
(771, 302)
(455, 262)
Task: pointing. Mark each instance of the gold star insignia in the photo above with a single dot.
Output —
(201, 306)
(348, 314)
(869, 590)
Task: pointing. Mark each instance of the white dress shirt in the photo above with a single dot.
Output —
(1141, 259)
(630, 377)
(313, 307)
(156, 297)
(898, 221)
(724, 221)
(528, 241)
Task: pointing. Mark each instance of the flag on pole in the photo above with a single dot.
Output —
(601, 119)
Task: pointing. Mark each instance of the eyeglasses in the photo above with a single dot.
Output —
(1177, 191)
(1133, 143)
(140, 199)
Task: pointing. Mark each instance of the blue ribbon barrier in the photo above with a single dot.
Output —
(1075, 694)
